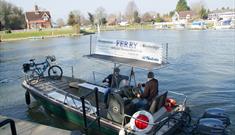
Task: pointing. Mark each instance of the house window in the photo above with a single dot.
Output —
(45, 18)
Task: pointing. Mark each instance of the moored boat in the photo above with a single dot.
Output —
(111, 109)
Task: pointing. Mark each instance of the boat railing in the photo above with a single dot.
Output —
(98, 77)
(12, 124)
(156, 123)
(86, 124)
(182, 98)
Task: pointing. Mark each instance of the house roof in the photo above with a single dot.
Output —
(33, 16)
(183, 14)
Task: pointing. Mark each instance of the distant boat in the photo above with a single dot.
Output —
(224, 24)
(123, 23)
(198, 25)
(179, 26)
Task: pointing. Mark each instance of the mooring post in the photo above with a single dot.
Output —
(166, 52)
(90, 43)
(72, 72)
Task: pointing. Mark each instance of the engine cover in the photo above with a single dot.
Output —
(211, 126)
(217, 113)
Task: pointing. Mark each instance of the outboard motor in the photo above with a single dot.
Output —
(210, 126)
(217, 113)
(213, 122)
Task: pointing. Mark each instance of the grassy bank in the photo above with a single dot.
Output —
(118, 27)
(24, 34)
(60, 32)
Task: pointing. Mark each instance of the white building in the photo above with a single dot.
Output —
(222, 15)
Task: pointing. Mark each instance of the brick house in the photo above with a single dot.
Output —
(184, 16)
(38, 19)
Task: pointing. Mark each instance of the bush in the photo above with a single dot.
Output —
(8, 31)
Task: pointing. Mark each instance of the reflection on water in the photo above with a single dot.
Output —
(202, 66)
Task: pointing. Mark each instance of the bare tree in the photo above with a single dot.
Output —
(112, 19)
(198, 8)
(100, 14)
(147, 17)
(60, 22)
(131, 8)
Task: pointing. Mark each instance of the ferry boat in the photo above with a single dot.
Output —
(109, 109)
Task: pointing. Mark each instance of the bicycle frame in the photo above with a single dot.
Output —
(40, 68)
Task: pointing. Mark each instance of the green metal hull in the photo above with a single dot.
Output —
(72, 116)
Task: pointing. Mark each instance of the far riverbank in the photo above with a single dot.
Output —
(63, 32)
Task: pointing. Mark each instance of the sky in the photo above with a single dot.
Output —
(61, 8)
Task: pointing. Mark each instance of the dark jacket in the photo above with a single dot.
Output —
(150, 90)
(114, 82)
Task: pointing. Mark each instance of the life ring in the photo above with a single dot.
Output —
(141, 122)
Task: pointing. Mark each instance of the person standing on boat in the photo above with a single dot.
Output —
(150, 90)
(112, 79)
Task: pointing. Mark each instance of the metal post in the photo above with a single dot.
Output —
(166, 52)
(90, 43)
(84, 114)
(72, 72)
(97, 106)
(94, 76)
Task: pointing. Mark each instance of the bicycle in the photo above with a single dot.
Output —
(35, 71)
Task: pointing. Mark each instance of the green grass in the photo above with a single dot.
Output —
(36, 33)
(129, 27)
(15, 35)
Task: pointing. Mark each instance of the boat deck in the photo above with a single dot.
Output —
(54, 88)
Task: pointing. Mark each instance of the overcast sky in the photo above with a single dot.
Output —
(61, 8)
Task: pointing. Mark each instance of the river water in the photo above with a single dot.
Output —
(202, 66)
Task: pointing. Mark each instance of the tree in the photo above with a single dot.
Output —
(159, 19)
(203, 13)
(72, 21)
(147, 17)
(199, 8)
(136, 17)
(112, 19)
(11, 16)
(182, 6)
(130, 9)
(60, 22)
(103, 21)
(100, 14)
(171, 13)
(74, 18)
(91, 18)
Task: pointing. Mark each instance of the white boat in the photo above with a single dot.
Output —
(224, 24)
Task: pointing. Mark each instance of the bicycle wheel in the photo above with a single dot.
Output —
(55, 72)
(32, 77)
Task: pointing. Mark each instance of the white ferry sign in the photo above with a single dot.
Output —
(145, 51)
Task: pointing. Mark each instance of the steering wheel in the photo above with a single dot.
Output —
(136, 90)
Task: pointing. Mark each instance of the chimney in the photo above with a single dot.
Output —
(36, 9)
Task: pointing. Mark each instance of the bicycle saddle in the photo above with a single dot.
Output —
(31, 59)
